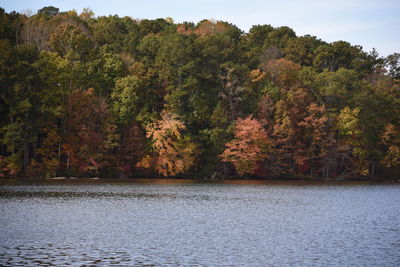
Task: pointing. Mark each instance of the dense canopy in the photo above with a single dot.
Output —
(117, 97)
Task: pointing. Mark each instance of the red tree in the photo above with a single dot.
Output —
(130, 150)
(248, 148)
(89, 132)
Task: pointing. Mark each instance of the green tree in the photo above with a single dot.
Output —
(301, 50)
(348, 124)
(49, 11)
(393, 64)
(126, 102)
(20, 87)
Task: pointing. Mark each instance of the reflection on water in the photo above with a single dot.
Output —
(199, 224)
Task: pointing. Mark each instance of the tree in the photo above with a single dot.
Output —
(20, 87)
(391, 139)
(137, 97)
(232, 91)
(207, 27)
(301, 50)
(319, 140)
(72, 39)
(36, 30)
(89, 133)
(10, 26)
(86, 14)
(351, 139)
(393, 64)
(290, 149)
(49, 11)
(213, 141)
(49, 152)
(147, 26)
(279, 37)
(130, 150)
(340, 54)
(173, 152)
(121, 34)
(248, 148)
(337, 89)
(257, 35)
(125, 97)
(107, 68)
(283, 72)
(177, 71)
(266, 112)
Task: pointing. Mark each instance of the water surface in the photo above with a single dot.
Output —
(199, 224)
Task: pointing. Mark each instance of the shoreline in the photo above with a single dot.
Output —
(172, 181)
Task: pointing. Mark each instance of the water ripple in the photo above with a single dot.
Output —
(199, 225)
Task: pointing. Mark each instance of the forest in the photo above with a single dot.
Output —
(111, 96)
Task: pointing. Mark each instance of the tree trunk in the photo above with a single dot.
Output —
(26, 157)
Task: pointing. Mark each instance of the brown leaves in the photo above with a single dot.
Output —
(283, 72)
(204, 28)
(391, 139)
(89, 131)
(256, 75)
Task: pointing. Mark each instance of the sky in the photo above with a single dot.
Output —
(369, 23)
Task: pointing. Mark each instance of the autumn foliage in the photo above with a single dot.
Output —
(89, 132)
(391, 139)
(173, 152)
(205, 27)
(112, 96)
(249, 146)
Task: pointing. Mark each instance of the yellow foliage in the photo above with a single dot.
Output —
(174, 153)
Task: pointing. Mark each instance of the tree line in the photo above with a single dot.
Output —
(114, 96)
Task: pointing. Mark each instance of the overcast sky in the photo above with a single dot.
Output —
(369, 23)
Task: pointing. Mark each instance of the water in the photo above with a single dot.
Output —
(199, 224)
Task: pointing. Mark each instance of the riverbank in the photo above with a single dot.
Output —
(274, 181)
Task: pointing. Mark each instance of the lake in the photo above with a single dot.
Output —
(188, 223)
